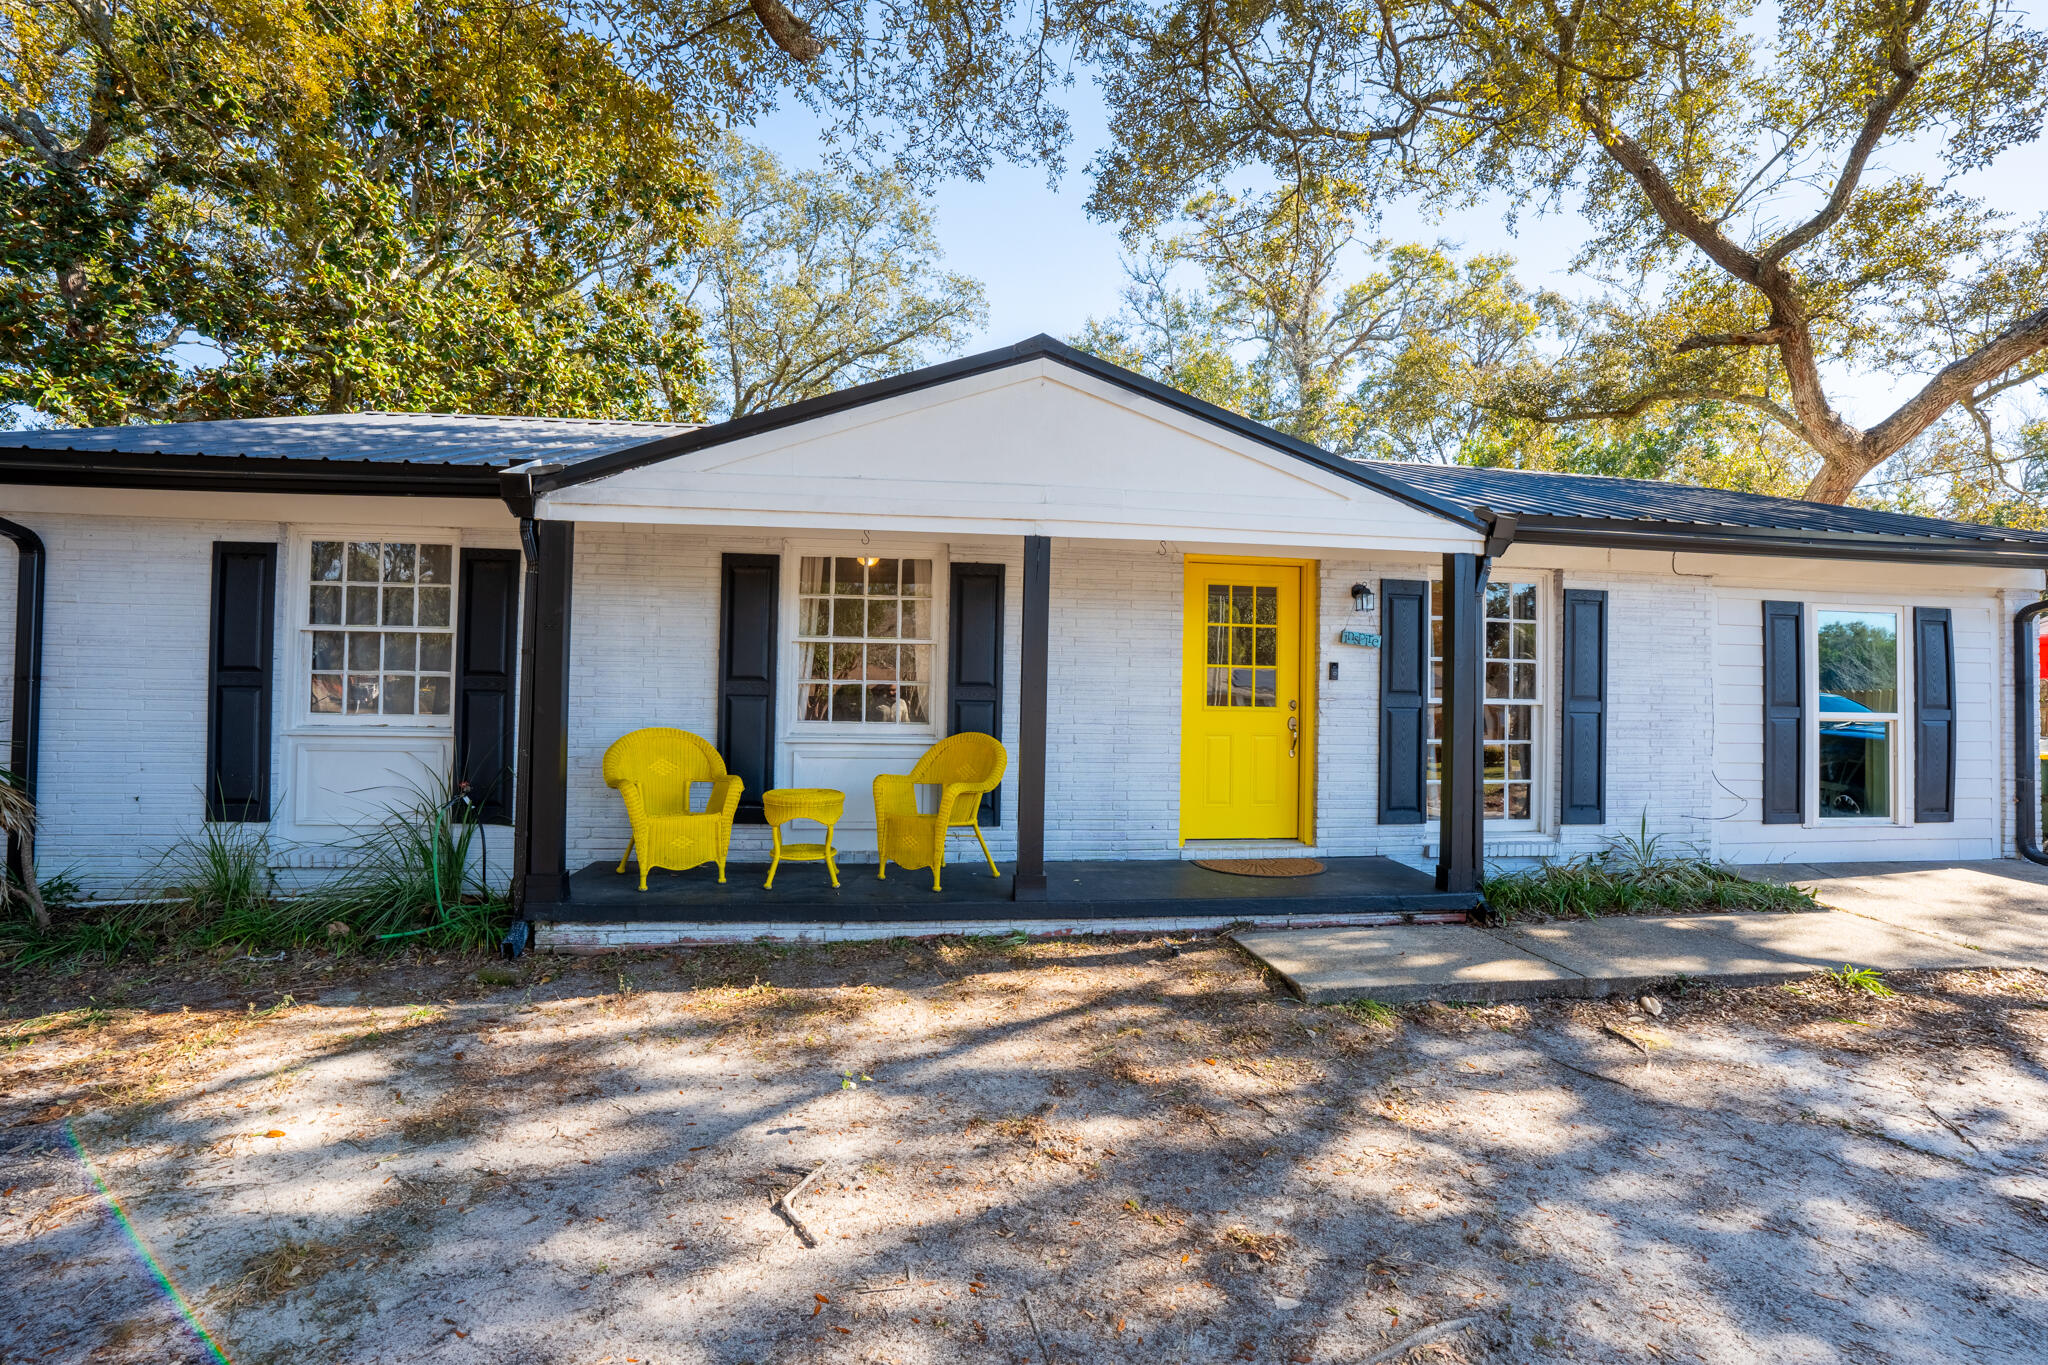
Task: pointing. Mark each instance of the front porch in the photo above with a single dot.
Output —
(1355, 890)
(822, 602)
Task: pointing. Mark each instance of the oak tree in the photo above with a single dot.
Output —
(238, 208)
(1773, 196)
(810, 281)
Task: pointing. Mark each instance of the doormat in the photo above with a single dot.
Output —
(1263, 867)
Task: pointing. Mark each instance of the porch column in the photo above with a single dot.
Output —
(540, 854)
(1029, 882)
(1460, 829)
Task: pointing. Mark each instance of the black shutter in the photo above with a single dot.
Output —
(747, 642)
(1784, 713)
(1404, 699)
(486, 661)
(241, 644)
(974, 689)
(1585, 707)
(1934, 715)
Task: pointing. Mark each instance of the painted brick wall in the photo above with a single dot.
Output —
(126, 621)
(1113, 702)
(124, 690)
(645, 652)
(1660, 700)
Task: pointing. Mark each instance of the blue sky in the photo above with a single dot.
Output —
(1048, 266)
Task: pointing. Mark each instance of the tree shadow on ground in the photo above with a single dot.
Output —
(1170, 1160)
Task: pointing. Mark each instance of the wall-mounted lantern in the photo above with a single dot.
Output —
(1361, 597)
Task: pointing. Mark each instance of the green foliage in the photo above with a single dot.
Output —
(812, 281)
(237, 210)
(410, 883)
(1634, 874)
(1752, 230)
(1866, 979)
(411, 877)
(1370, 1011)
(1390, 364)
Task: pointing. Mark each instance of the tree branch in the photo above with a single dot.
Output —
(1643, 402)
(1762, 336)
(788, 32)
(1878, 118)
(1955, 383)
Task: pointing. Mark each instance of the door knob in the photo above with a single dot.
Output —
(1293, 736)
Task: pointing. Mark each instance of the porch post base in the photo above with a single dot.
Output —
(1027, 888)
(541, 889)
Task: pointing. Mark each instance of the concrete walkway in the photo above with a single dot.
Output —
(1890, 916)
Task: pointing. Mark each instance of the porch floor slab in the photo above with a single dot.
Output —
(1156, 888)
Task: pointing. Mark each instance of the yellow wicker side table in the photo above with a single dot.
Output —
(785, 804)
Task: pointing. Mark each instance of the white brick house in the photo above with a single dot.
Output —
(1756, 678)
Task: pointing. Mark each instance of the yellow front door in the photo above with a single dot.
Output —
(1241, 702)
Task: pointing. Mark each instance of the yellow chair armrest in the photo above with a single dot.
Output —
(635, 799)
(959, 801)
(725, 796)
(895, 794)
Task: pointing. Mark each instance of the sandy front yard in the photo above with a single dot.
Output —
(1141, 1141)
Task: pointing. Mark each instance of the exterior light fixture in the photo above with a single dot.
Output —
(869, 561)
(1361, 597)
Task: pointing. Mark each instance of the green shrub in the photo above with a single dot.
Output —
(408, 882)
(1634, 874)
(1866, 979)
(410, 879)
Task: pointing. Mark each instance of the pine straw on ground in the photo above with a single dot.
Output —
(1173, 1162)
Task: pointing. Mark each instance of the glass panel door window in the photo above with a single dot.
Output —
(1858, 712)
(379, 622)
(1244, 645)
(1508, 713)
(864, 640)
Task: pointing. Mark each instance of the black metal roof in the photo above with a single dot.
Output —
(374, 437)
(1539, 494)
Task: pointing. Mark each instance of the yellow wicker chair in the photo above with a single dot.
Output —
(963, 768)
(652, 770)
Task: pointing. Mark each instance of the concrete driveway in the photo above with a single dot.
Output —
(2000, 907)
(1888, 916)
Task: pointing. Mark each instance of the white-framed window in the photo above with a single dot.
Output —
(1513, 691)
(1858, 692)
(866, 639)
(377, 629)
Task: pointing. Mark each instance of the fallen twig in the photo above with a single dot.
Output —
(1044, 1356)
(2017, 1257)
(1598, 1077)
(1629, 1038)
(1422, 1338)
(784, 1205)
(1951, 1127)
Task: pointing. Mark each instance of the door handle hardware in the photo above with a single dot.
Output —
(1293, 736)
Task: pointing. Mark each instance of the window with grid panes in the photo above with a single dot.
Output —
(1511, 687)
(1244, 645)
(379, 616)
(864, 640)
